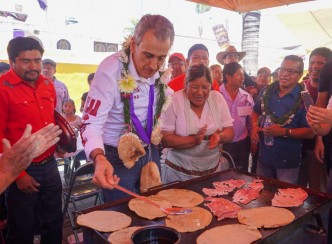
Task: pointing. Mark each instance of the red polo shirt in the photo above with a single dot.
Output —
(177, 83)
(22, 104)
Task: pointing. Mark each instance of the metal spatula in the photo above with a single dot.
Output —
(173, 211)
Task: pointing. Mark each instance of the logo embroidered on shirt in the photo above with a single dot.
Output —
(93, 106)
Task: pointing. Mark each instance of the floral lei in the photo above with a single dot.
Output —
(128, 84)
(286, 118)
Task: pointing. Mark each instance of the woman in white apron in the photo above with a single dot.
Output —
(194, 127)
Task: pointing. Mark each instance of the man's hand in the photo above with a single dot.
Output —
(17, 158)
(274, 130)
(320, 115)
(46, 138)
(319, 149)
(27, 184)
(314, 125)
(103, 175)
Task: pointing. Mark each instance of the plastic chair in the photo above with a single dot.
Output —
(80, 188)
(75, 162)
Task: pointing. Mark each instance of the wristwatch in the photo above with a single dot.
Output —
(288, 133)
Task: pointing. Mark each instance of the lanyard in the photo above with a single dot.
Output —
(144, 135)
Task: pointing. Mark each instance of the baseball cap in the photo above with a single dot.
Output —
(177, 55)
(4, 66)
(49, 61)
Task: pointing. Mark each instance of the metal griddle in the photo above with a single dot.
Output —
(307, 216)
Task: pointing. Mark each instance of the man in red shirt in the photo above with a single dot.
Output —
(197, 54)
(26, 97)
(178, 64)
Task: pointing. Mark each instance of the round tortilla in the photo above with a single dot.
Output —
(146, 210)
(265, 217)
(198, 219)
(181, 197)
(104, 221)
(123, 236)
(130, 149)
(150, 176)
(230, 234)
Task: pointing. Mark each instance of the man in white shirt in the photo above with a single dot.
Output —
(105, 112)
(62, 94)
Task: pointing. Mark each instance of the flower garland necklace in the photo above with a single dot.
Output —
(127, 85)
(286, 118)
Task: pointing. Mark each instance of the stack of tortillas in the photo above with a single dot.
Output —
(265, 217)
(146, 210)
(181, 197)
(104, 221)
(198, 219)
(123, 236)
(230, 234)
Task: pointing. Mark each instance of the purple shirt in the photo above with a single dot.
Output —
(240, 109)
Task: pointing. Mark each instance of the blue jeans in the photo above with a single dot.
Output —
(36, 212)
(129, 178)
(286, 175)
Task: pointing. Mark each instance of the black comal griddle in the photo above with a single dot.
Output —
(310, 224)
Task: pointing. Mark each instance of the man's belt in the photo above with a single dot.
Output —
(205, 138)
(190, 172)
(45, 161)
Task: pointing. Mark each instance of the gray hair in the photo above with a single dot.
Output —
(162, 27)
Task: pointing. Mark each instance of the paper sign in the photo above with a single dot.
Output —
(244, 111)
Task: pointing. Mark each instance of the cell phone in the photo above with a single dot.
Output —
(307, 99)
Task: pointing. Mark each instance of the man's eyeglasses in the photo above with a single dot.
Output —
(288, 71)
(176, 64)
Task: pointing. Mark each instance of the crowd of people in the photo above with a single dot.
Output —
(180, 120)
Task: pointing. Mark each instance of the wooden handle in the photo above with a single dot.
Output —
(120, 188)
